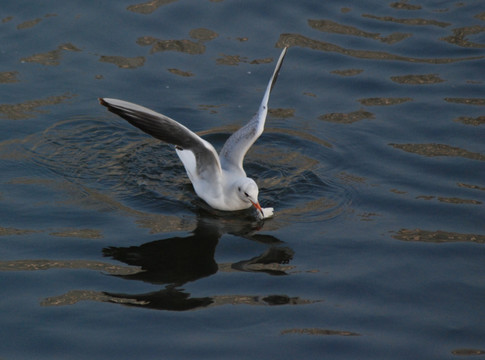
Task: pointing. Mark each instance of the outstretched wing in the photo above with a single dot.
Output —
(238, 144)
(207, 165)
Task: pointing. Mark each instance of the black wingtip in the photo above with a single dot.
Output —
(118, 110)
(278, 67)
(111, 107)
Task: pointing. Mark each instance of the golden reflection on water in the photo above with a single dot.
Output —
(336, 28)
(455, 200)
(347, 118)
(432, 150)
(468, 352)
(184, 45)
(230, 60)
(9, 231)
(348, 72)
(384, 101)
(466, 101)
(7, 77)
(179, 72)
(281, 112)
(262, 61)
(417, 79)
(53, 57)
(75, 296)
(469, 186)
(28, 23)
(467, 120)
(78, 233)
(36, 265)
(408, 21)
(459, 36)
(124, 62)
(234, 60)
(319, 332)
(203, 34)
(304, 41)
(404, 5)
(149, 6)
(450, 200)
(437, 236)
(29, 109)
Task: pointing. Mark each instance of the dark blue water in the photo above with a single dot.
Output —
(373, 158)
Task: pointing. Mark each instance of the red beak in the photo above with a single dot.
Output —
(257, 206)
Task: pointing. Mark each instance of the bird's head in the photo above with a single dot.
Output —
(248, 191)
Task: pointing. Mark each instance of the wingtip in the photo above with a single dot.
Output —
(277, 69)
(102, 102)
(283, 53)
(284, 49)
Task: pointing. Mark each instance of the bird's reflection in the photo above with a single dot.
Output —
(178, 260)
(175, 260)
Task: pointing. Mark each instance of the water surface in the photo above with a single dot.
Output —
(373, 158)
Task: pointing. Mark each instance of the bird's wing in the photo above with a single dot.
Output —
(238, 144)
(207, 165)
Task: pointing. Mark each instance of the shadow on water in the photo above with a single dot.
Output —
(178, 260)
(175, 261)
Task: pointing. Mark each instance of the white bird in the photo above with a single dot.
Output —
(219, 180)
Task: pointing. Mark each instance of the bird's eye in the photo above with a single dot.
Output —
(239, 189)
(246, 194)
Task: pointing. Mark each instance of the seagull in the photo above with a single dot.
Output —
(219, 179)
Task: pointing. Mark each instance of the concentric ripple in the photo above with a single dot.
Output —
(294, 170)
(297, 174)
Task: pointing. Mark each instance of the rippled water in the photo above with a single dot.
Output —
(373, 158)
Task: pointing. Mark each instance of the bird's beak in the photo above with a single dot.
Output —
(257, 206)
